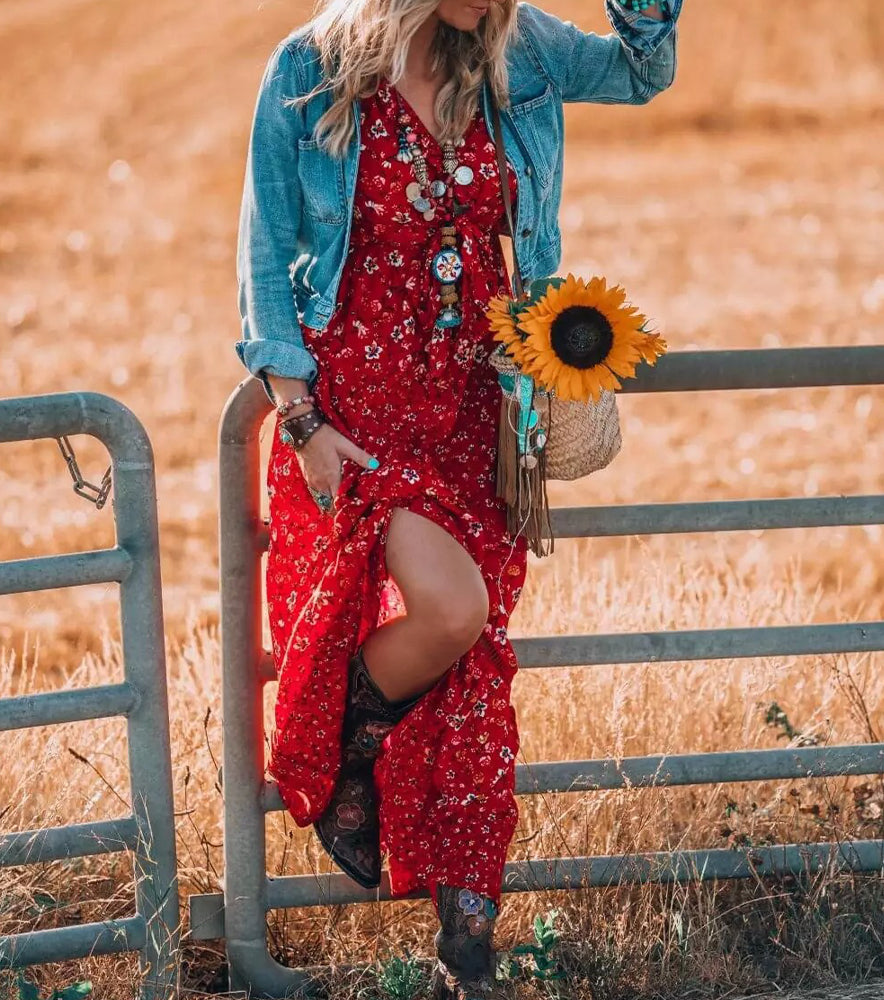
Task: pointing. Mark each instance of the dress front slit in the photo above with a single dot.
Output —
(426, 403)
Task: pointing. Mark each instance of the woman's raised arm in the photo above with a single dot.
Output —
(628, 66)
(269, 221)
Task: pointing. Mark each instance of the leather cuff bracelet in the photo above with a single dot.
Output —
(296, 431)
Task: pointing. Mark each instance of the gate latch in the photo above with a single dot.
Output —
(96, 494)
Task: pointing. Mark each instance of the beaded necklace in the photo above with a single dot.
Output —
(639, 5)
(432, 198)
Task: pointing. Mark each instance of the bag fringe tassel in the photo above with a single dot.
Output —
(524, 490)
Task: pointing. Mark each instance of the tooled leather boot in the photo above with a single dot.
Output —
(349, 828)
(466, 961)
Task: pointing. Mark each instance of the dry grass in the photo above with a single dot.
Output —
(743, 208)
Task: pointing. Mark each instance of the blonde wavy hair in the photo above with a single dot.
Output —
(362, 41)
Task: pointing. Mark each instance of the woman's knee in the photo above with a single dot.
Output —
(439, 580)
(459, 617)
(453, 607)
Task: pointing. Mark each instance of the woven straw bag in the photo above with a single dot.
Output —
(581, 437)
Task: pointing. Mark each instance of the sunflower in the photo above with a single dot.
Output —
(503, 316)
(577, 337)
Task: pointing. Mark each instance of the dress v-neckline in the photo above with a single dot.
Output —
(410, 109)
(420, 123)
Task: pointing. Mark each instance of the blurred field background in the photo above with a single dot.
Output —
(742, 208)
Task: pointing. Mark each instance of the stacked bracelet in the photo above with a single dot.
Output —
(639, 5)
(283, 408)
(297, 430)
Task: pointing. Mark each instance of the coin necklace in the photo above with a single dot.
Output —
(429, 198)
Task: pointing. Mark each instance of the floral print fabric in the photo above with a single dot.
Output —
(426, 403)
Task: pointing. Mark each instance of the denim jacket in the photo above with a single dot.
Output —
(294, 226)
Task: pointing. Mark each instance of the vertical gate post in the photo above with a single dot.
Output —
(141, 608)
(242, 700)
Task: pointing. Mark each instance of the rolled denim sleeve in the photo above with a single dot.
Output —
(272, 340)
(628, 66)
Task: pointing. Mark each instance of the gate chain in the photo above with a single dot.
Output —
(96, 494)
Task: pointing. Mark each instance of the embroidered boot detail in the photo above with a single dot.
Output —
(349, 829)
(466, 961)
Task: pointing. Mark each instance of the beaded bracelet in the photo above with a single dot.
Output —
(639, 5)
(283, 408)
(304, 425)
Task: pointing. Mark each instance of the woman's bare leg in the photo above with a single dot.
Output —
(446, 602)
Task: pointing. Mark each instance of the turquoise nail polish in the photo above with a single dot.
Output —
(373, 464)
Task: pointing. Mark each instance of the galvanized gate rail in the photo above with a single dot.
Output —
(239, 915)
(141, 697)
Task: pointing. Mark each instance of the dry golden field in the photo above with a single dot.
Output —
(742, 208)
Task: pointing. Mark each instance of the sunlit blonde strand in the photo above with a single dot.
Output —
(361, 41)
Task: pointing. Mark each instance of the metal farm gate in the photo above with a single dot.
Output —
(239, 914)
(140, 697)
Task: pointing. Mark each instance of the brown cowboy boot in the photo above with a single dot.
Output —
(349, 828)
(466, 961)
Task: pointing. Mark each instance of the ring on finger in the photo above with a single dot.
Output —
(325, 501)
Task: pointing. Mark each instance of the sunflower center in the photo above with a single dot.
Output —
(581, 336)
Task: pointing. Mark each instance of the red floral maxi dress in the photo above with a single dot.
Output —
(426, 403)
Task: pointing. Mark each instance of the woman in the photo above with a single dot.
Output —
(368, 252)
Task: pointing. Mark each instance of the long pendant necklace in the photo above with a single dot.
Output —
(432, 198)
